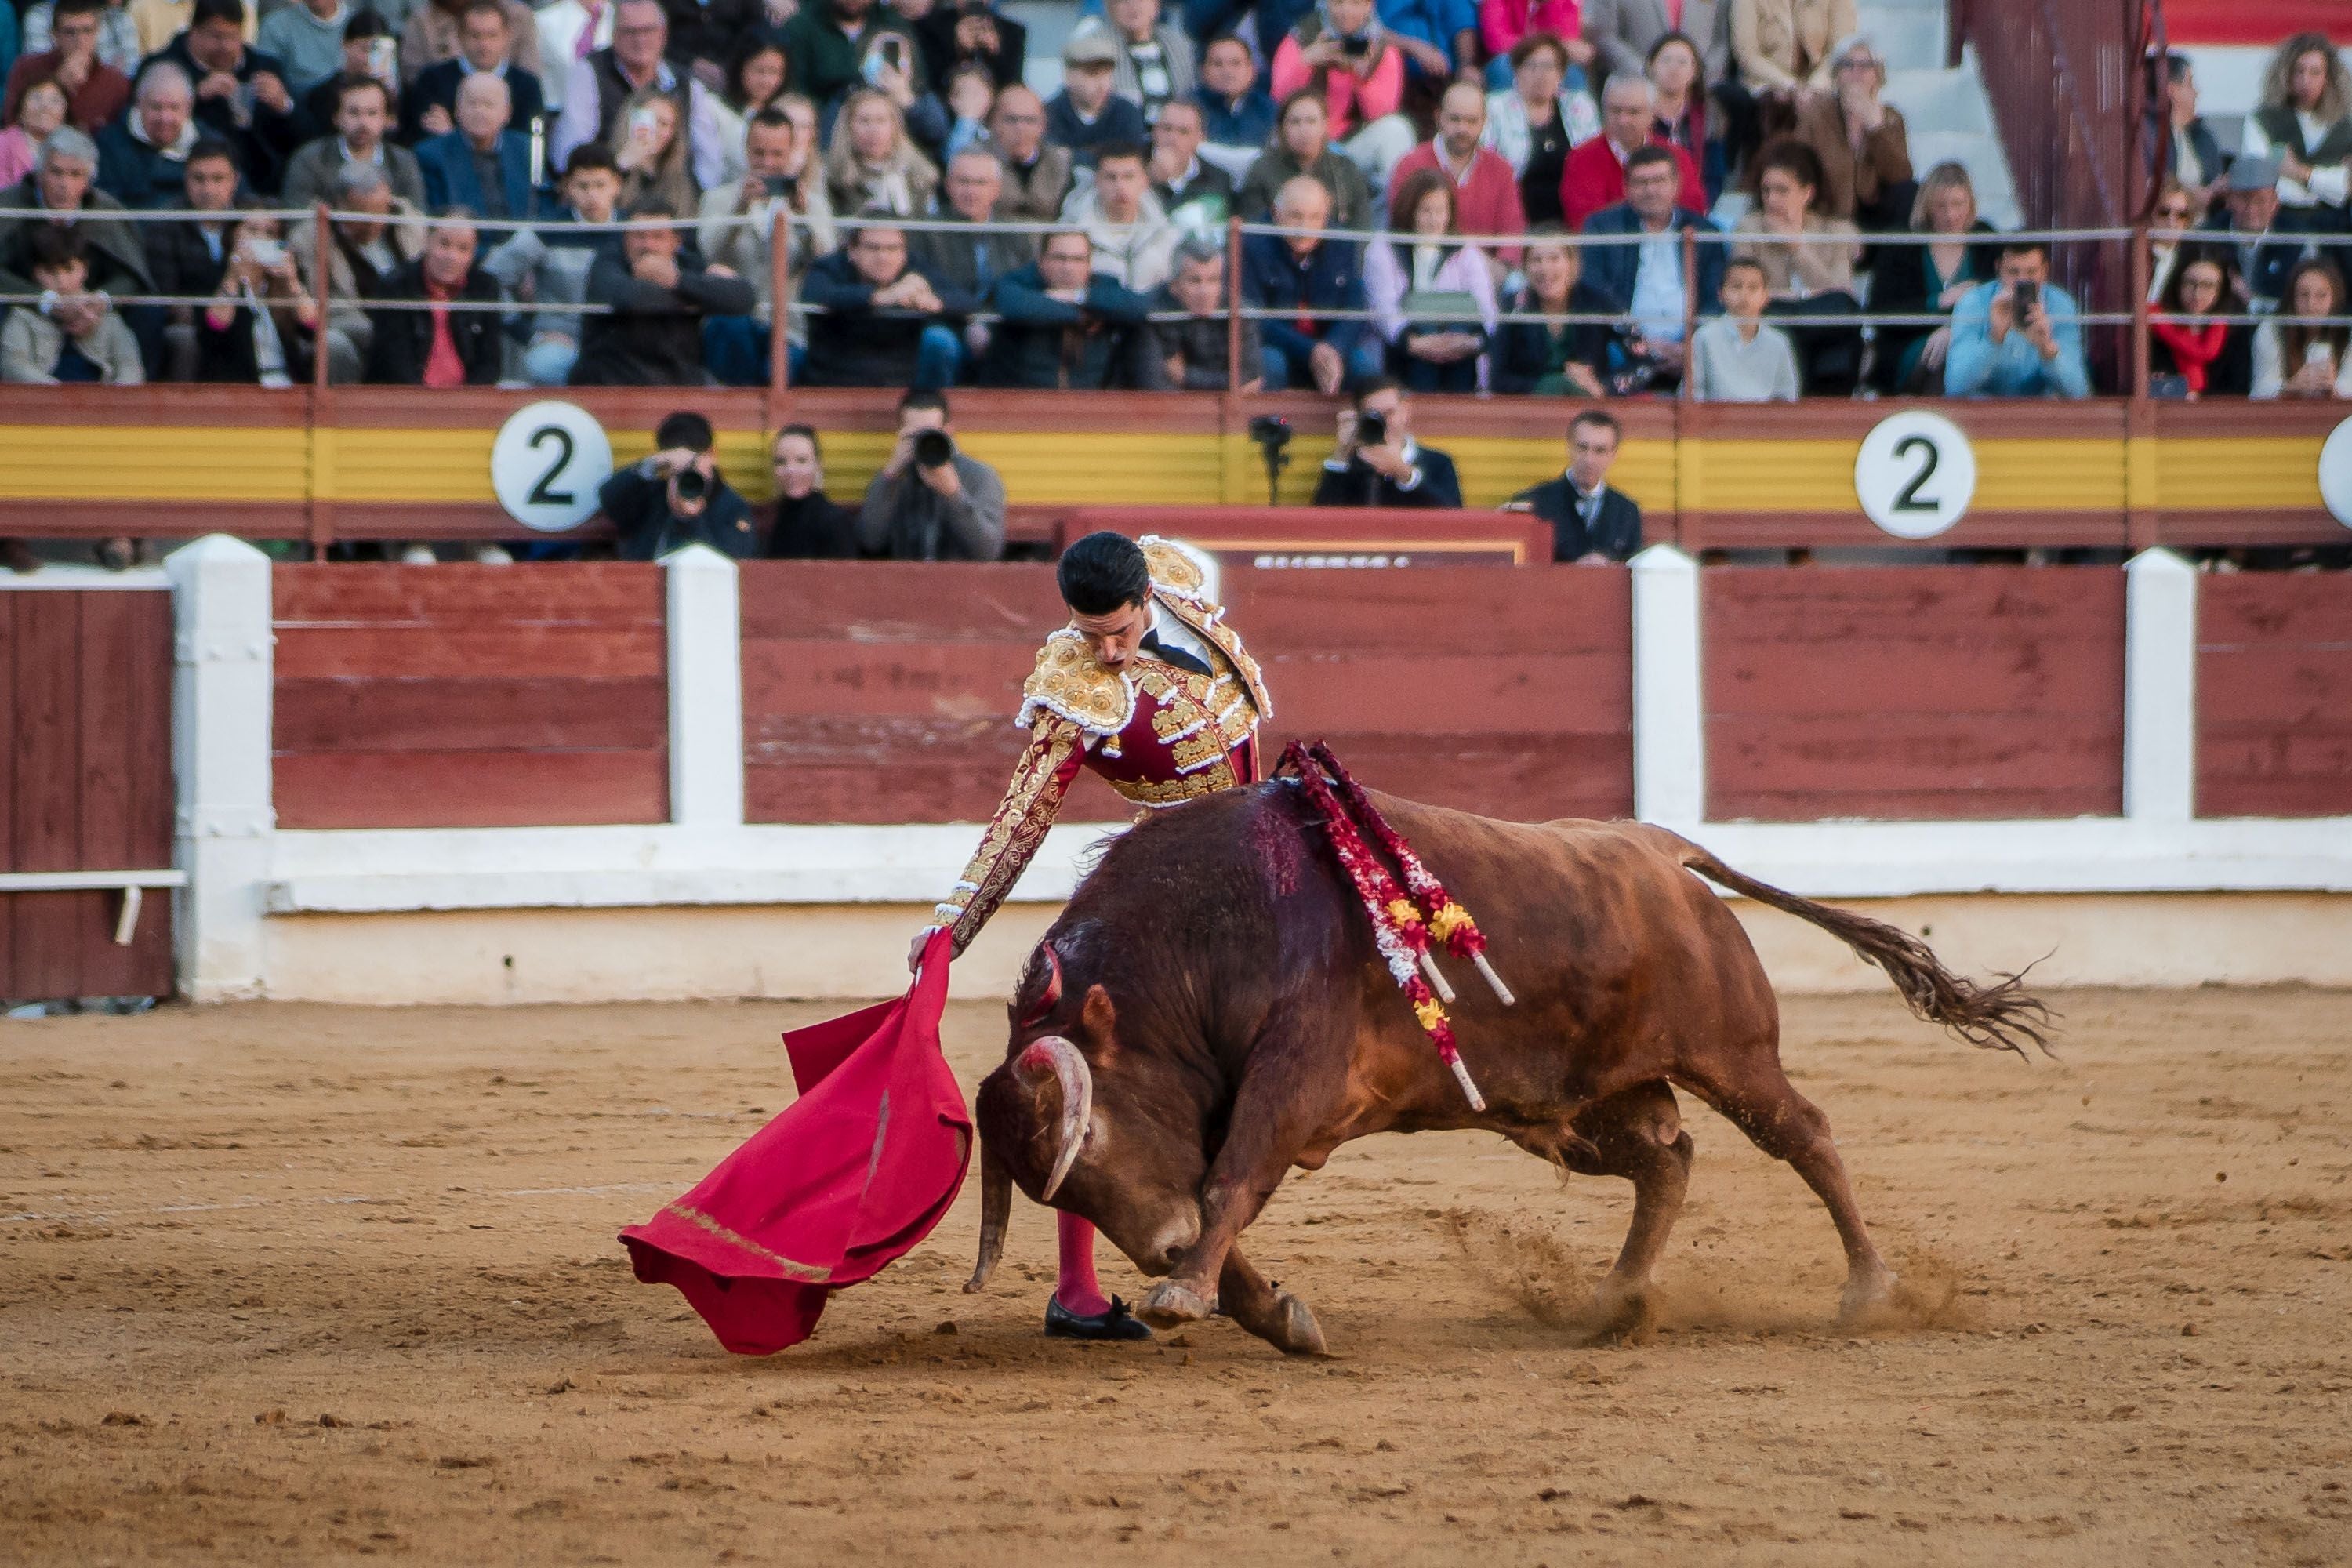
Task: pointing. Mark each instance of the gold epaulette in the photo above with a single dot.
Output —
(1070, 682)
(1175, 572)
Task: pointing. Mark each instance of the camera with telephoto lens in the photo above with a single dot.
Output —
(1357, 47)
(692, 484)
(1372, 429)
(933, 449)
(1272, 434)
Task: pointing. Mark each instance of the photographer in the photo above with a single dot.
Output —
(930, 502)
(2019, 336)
(678, 497)
(1378, 463)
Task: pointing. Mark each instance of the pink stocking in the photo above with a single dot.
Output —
(1076, 1288)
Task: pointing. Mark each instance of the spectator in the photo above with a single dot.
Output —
(1154, 62)
(1625, 31)
(261, 327)
(1067, 325)
(604, 82)
(2302, 126)
(1680, 113)
(972, 32)
(485, 47)
(370, 50)
(307, 36)
(1555, 359)
(241, 92)
(1807, 264)
(1782, 46)
(1486, 193)
(1196, 194)
(653, 156)
(1738, 357)
(1377, 463)
(142, 158)
(1086, 115)
(1194, 353)
(362, 114)
(930, 502)
(1930, 279)
(1300, 274)
(872, 165)
(2194, 154)
(1439, 40)
(437, 346)
(1037, 172)
(481, 166)
(838, 45)
(40, 109)
(436, 31)
(1505, 25)
(71, 335)
(1862, 145)
(95, 91)
(755, 80)
(2264, 251)
(2191, 354)
(189, 260)
(1649, 276)
(803, 523)
(1133, 240)
(1533, 123)
(1433, 304)
(1592, 524)
(569, 32)
(1302, 148)
(58, 194)
(2296, 354)
(971, 258)
(157, 22)
(678, 497)
(1355, 68)
(660, 294)
(362, 252)
(738, 230)
(2169, 220)
(118, 41)
(704, 34)
(884, 322)
(2019, 336)
(971, 95)
(548, 263)
(1594, 175)
(1236, 113)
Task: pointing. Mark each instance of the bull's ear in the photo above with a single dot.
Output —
(1100, 1019)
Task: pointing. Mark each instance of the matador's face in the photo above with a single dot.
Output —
(1114, 637)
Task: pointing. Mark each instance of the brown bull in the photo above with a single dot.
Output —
(1209, 1011)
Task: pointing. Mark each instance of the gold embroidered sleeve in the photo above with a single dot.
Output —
(1056, 751)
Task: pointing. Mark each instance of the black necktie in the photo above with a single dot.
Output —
(1167, 654)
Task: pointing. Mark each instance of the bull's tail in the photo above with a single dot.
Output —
(2001, 1016)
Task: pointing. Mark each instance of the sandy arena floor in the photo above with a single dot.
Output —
(294, 1285)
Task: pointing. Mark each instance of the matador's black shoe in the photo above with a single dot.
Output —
(1118, 1324)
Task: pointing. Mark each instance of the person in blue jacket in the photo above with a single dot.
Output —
(1301, 276)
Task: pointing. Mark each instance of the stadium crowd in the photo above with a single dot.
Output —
(1510, 196)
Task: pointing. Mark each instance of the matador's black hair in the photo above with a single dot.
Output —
(1102, 572)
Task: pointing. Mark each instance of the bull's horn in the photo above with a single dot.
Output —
(1051, 1053)
(995, 1208)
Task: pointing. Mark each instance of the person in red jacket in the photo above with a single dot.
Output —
(1594, 177)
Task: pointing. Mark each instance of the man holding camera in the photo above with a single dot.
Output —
(930, 502)
(678, 497)
(2018, 336)
(1378, 463)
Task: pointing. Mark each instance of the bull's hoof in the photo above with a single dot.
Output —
(1621, 1314)
(1869, 1300)
(1168, 1303)
(1298, 1334)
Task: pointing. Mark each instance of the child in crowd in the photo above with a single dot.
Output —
(69, 335)
(1737, 357)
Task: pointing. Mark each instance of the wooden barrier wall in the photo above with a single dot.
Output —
(2274, 695)
(1913, 692)
(464, 696)
(85, 786)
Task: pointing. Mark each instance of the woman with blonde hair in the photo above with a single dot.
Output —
(873, 162)
(1929, 280)
(2305, 124)
(652, 154)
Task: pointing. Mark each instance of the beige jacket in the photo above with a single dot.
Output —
(1792, 269)
(1784, 44)
(742, 247)
(346, 312)
(31, 342)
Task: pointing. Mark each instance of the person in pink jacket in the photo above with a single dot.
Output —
(1503, 23)
(1341, 49)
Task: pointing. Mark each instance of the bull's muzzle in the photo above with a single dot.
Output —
(1051, 1056)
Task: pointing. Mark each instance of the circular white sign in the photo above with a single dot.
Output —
(1916, 474)
(2335, 473)
(547, 463)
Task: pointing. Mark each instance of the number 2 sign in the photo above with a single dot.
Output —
(1916, 474)
(547, 463)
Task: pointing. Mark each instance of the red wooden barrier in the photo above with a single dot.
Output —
(1913, 692)
(2274, 695)
(85, 786)
(460, 696)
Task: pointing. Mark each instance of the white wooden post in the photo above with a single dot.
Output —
(706, 690)
(1669, 703)
(2159, 687)
(223, 666)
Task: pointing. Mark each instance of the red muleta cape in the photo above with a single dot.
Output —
(852, 1175)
